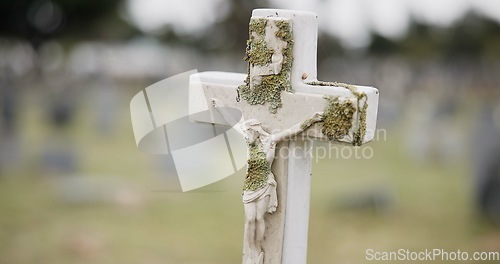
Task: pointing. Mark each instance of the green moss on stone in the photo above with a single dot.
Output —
(257, 25)
(257, 53)
(285, 33)
(307, 124)
(360, 132)
(258, 169)
(337, 118)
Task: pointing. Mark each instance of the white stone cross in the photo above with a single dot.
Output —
(280, 91)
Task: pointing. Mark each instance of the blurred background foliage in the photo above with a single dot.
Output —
(74, 188)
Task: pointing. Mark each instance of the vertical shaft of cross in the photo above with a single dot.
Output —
(305, 34)
(298, 183)
(297, 204)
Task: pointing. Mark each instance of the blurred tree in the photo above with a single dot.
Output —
(473, 36)
(383, 45)
(227, 35)
(232, 32)
(328, 47)
(39, 20)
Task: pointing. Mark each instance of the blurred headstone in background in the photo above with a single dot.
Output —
(105, 97)
(433, 132)
(9, 141)
(380, 200)
(59, 153)
(79, 189)
(486, 161)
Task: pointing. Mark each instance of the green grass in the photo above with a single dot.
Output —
(432, 206)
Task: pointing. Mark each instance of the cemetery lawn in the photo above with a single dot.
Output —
(134, 218)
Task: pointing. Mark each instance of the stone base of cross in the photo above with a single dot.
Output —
(281, 90)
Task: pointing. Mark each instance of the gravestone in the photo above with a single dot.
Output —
(281, 93)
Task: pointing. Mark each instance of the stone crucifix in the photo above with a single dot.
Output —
(283, 107)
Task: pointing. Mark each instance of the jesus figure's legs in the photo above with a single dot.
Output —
(255, 228)
(250, 224)
(262, 205)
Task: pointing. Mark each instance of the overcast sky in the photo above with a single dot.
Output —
(349, 20)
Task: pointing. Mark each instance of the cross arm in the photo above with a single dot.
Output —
(297, 128)
(363, 101)
(227, 116)
(358, 128)
(204, 87)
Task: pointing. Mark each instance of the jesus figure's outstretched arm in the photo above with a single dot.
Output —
(297, 128)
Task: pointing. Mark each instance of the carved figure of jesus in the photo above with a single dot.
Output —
(259, 189)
